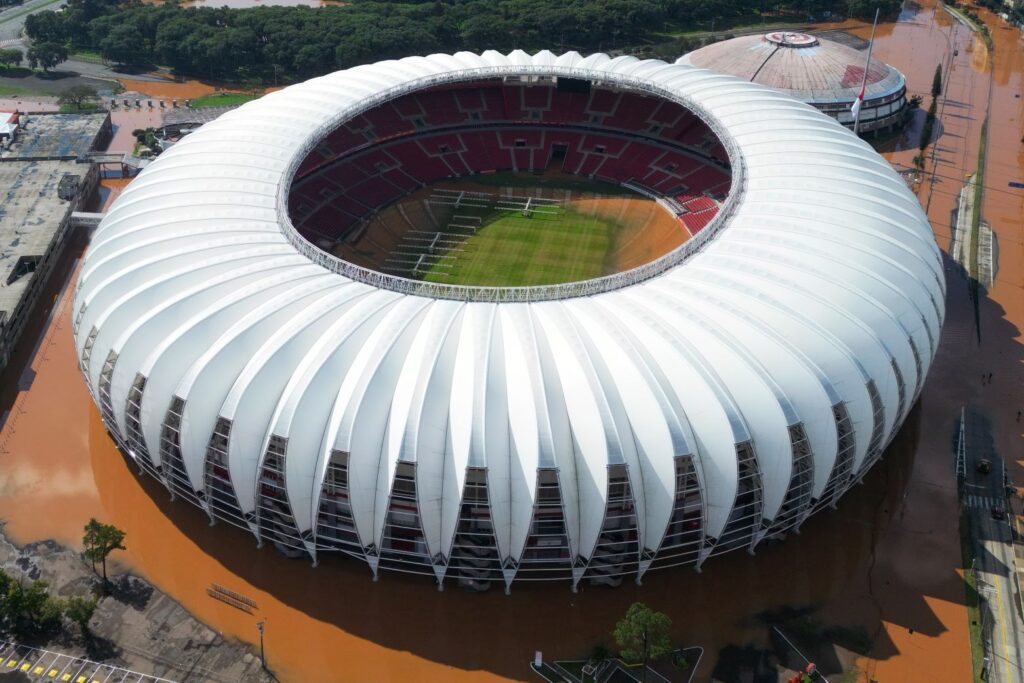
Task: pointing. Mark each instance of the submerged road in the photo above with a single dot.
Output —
(988, 514)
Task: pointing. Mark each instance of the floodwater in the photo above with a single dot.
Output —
(124, 121)
(334, 619)
(1003, 208)
(974, 83)
(888, 560)
(169, 89)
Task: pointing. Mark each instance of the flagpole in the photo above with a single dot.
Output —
(864, 81)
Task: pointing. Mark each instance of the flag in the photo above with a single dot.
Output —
(857, 102)
(864, 83)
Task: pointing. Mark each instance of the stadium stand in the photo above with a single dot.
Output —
(656, 147)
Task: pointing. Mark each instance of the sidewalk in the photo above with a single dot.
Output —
(55, 666)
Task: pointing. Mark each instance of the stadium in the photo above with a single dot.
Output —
(824, 73)
(503, 318)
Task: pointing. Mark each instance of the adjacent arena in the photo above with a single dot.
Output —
(823, 73)
(267, 324)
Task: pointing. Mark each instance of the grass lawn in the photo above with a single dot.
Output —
(8, 90)
(86, 55)
(744, 25)
(78, 109)
(514, 250)
(226, 99)
(15, 72)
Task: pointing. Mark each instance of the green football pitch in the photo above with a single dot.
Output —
(515, 230)
(516, 249)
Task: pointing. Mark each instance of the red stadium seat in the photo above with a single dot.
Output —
(394, 149)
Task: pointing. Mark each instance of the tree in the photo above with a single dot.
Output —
(77, 95)
(79, 610)
(124, 45)
(47, 55)
(11, 57)
(46, 27)
(31, 610)
(100, 540)
(642, 635)
(937, 81)
(5, 588)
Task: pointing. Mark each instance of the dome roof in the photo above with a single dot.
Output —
(792, 343)
(809, 68)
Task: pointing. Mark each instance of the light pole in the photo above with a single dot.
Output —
(263, 658)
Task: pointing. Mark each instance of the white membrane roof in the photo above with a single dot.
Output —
(822, 277)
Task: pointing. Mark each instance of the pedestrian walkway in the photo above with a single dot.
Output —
(44, 665)
(988, 255)
(983, 502)
(961, 247)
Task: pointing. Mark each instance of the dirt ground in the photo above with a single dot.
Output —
(647, 230)
(135, 626)
(653, 231)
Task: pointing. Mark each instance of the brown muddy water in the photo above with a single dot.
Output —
(61, 468)
(888, 560)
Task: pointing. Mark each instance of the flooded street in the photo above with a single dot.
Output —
(334, 618)
(167, 90)
(974, 83)
(887, 561)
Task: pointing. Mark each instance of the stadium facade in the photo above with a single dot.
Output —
(825, 74)
(588, 431)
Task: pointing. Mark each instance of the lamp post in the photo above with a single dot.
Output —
(263, 658)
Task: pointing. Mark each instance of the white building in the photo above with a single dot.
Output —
(823, 73)
(586, 431)
(8, 126)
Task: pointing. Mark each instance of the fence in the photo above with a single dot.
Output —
(55, 666)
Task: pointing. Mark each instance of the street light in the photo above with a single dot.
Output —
(263, 658)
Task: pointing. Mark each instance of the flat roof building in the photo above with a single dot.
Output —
(44, 177)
